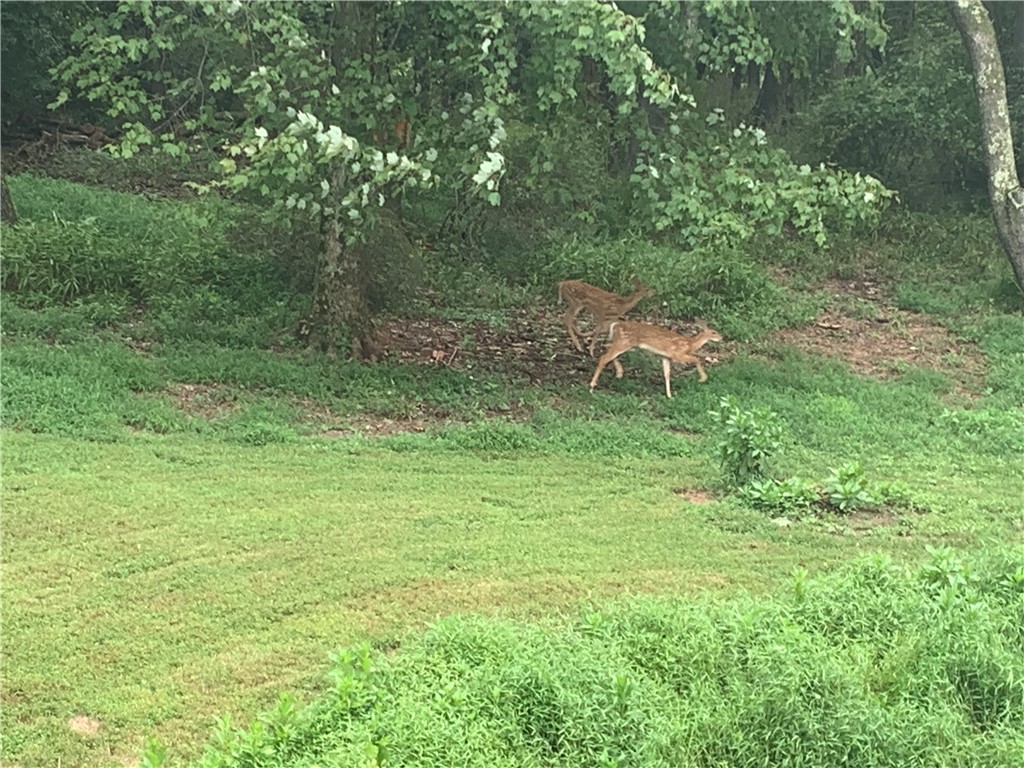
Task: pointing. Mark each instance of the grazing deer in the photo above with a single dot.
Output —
(624, 335)
(604, 306)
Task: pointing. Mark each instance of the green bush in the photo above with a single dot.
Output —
(845, 488)
(747, 439)
(793, 496)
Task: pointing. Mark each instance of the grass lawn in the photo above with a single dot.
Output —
(154, 583)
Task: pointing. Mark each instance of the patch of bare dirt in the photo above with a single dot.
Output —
(878, 340)
(694, 495)
(529, 345)
(84, 725)
(210, 401)
(377, 427)
(863, 521)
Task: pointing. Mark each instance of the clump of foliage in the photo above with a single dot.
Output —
(896, 665)
(843, 491)
(747, 439)
(845, 488)
(911, 119)
(792, 496)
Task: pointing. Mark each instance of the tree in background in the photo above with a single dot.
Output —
(1004, 188)
(328, 112)
(36, 37)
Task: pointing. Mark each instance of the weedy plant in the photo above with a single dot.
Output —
(845, 488)
(792, 497)
(747, 440)
(869, 660)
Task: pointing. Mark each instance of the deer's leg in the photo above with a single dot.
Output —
(607, 357)
(570, 326)
(694, 360)
(618, 369)
(666, 368)
(600, 329)
(700, 370)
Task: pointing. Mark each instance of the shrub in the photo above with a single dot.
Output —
(793, 496)
(845, 489)
(746, 439)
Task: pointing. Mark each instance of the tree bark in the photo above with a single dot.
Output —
(768, 105)
(690, 15)
(7, 212)
(339, 292)
(1004, 188)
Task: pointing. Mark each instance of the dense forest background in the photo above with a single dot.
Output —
(517, 140)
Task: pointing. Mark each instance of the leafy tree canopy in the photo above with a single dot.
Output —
(399, 94)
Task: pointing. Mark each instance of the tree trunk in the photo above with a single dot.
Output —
(339, 293)
(690, 15)
(339, 286)
(768, 105)
(7, 212)
(990, 85)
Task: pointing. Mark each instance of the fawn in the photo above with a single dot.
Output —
(624, 335)
(604, 306)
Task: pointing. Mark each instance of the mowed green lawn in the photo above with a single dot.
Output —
(155, 583)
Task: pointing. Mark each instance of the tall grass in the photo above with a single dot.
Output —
(202, 269)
